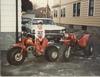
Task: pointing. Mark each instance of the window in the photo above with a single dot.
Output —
(55, 13)
(63, 12)
(76, 9)
(91, 7)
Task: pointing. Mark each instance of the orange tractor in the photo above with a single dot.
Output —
(19, 51)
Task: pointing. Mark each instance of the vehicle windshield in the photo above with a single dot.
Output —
(46, 22)
(26, 20)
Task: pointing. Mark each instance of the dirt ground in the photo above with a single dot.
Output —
(79, 66)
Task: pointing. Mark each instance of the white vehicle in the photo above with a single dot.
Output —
(53, 31)
(48, 24)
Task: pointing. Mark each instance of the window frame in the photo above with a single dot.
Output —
(55, 13)
(78, 8)
(89, 8)
(63, 12)
(75, 9)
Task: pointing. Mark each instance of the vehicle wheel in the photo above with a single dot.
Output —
(14, 57)
(52, 53)
(67, 56)
(88, 51)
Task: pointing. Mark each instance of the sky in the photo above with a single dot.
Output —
(42, 3)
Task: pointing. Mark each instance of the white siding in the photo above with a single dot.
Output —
(19, 15)
(83, 19)
(56, 2)
(8, 15)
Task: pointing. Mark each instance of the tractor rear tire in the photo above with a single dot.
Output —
(52, 53)
(89, 50)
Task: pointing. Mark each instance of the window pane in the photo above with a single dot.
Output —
(78, 9)
(91, 7)
(55, 13)
(64, 12)
(74, 9)
(61, 12)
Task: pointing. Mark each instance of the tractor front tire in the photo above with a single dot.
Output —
(14, 57)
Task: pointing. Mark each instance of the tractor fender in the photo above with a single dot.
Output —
(19, 45)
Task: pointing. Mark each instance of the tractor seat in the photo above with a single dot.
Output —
(79, 34)
(31, 35)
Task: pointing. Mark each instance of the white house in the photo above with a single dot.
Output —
(8, 22)
(8, 15)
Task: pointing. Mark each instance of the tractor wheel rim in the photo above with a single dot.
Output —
(67, 53)
(54, 55)
(18, 57)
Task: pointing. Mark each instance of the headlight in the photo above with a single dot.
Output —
(20, 38)
(62, 31)
(23, 32)
(66, 34)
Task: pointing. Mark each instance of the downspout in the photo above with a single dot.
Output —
(16, 20)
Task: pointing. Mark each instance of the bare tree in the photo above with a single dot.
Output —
(35, 6)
